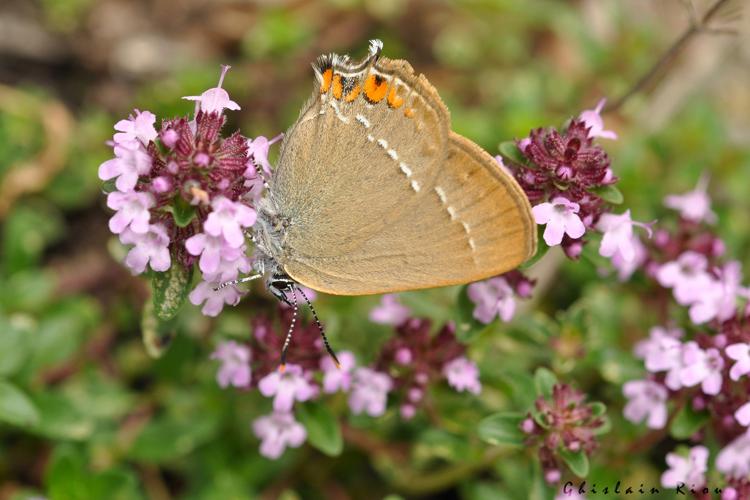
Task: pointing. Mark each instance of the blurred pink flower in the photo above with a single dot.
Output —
(662, 350)
(136, 129)
(734, 459)
(338, 379)
(625, 268)
(695, 205)
(151, 247)
(407, 411)
(741, 354)
(132, 211)
(227, 219)
(277, 432)
(646, 400)
(286, 387)
(235, 364)
(687, 276)
(216, 99)
(463, 375)
(390, 311)
(689, 470)
(127, 166)
(369, 392)
(593, 120)
(701, 367)
(492, 297)
(560, 218)
(617, 236)
(213, 300)
(718, 297)
(743, 414)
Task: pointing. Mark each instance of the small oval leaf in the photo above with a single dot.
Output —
(608, 193)
(15, 406)
(544, 381)
(502, 428)
(577, 461)
(170, 289)
(687, 422)
(323, 429)
(157, 334)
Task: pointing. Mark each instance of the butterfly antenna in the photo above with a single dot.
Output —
(288, 338)
(237, 281)
(320, 328)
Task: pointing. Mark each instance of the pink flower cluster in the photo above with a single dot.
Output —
(407, 365)
(184, 193)
(561, 174)
(496, 297)
(708, 371)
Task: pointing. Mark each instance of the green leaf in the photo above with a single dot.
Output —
(14, 346)
(510, 151)
(502, 428)
(577, 461)
(598, 409)
(61, 419)
(157, 334)
(608, 193)
(323, 429)
(182, 212)
(15, 406)
(544, 381)
(170, 289)
(687, 422)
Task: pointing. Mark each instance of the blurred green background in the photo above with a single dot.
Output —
(85, 413)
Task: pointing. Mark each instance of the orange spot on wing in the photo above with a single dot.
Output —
(375, 88)
(327, 76)
(409, 112)
(353, 93)
(394, 100)
(338, 86)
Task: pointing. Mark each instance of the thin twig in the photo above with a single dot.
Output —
(671, 54)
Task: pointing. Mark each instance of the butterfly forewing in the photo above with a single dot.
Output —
(380, 196)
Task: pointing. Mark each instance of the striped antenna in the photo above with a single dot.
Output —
(320, 328)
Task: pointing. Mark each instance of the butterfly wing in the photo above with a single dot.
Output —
(381, 196)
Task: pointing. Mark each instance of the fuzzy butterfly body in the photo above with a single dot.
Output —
(373, 192)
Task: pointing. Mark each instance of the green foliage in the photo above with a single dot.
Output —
(323, 430)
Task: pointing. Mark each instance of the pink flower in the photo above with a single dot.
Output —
(741, 354)
(213, 300)
(403, 356)
(701, 367)
(127, 166)
(463, 375)
(227, 219)
(560, 218)
(734, 459)
(618, 235)
(718, 298)
(278, 431)
(593, 120)
(132, 211)
(390, 311)
(662, 350)
(151, 247)
(687, 276)
(215, 100)
(743, 414)
(235, 364)
(647, 400)
(492, 297)
(257, 152)
(369, 392)
(695, 205)
(286, 387)
(136, 129)
(625, 268)
(688, 470)
(337, 379)
(213, 251)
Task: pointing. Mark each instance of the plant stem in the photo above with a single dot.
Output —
(670, 55)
